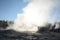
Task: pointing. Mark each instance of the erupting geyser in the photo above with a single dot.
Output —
(36, 13)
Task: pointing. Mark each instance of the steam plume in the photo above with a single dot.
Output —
(36, 13)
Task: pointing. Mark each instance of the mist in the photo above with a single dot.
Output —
(36, 13)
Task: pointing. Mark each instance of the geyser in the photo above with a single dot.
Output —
(35, 14)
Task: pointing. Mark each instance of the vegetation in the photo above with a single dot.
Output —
(3, 24)
(50, 28)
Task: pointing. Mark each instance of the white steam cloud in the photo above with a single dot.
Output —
(36, 13)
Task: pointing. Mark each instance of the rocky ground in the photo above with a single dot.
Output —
(13, 35)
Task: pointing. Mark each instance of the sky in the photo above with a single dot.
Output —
(10, 8)
(55, 12)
